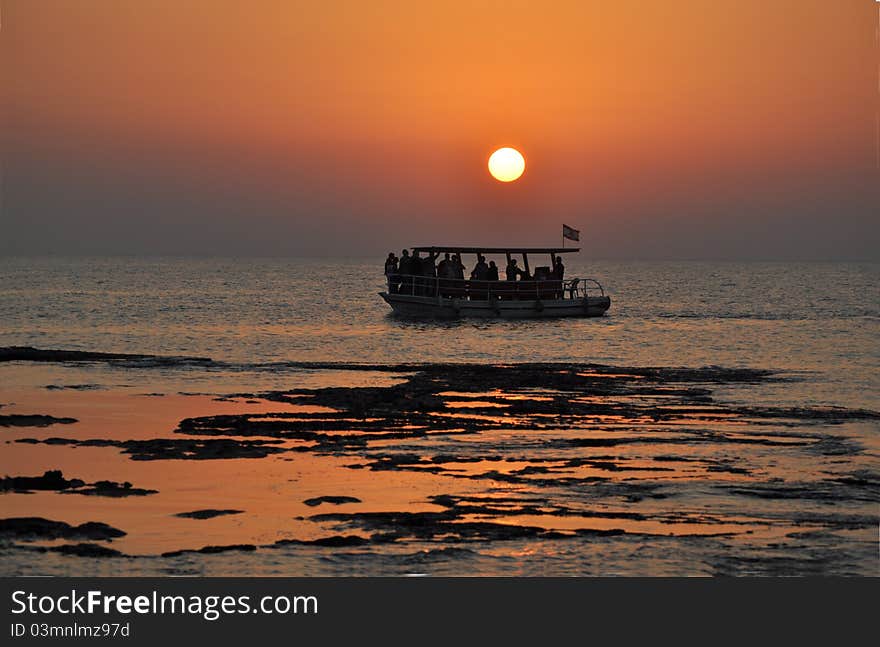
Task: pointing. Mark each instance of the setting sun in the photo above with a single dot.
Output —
(506, 164)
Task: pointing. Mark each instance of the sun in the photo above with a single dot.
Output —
(506, 164)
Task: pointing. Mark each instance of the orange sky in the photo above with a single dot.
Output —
(678, 128)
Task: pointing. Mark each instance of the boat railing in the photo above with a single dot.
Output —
(482, 290)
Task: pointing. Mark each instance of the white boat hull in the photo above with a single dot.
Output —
(446, 308)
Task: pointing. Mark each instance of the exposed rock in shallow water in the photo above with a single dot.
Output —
(614, 462)
(86, 550)
(112, 489)
(336, 500)
(33, 420)
(394, 526)
(53, 480)
(335, 541)
(471, 399)
(210, 550)
(166, 449)
(206, 514)
(50, 480)
(30, 528)
(74, 387)
(29, 354)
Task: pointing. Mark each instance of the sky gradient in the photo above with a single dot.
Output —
(681, 129)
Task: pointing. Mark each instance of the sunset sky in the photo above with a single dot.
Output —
(678, 129)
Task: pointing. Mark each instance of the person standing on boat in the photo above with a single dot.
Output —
(512, 270)
(428, 266)
(558, 269)
(558, 275)
(444, 268)
(390, 264)
(404, 265)
(391, 272)
(405, 271)
(477, 288)
(492, 272)
(416, 271)
(429, 271)
(481, 270)
(445, 271)
(459, 267)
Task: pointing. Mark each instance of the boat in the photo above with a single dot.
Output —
(540, 296)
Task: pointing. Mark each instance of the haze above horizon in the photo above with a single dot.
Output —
(677, 130)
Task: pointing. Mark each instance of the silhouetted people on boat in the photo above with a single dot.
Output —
(404, 265)
(458, 266)
(416, 266)
(445, 269)
(428, 266)
(421, 275)
(391, 264)
(481, 270)
(405, 270)
(478, 288)
(558, 276)
(429, 272)
(446, 274)
(391, 272)
(558, 269)
(512, 270)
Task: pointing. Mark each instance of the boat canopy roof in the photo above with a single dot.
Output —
(497, 250)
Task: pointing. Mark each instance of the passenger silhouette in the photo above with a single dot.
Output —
(391, 272)
(390, 264)
(418, 283)
(445, 269)
(459, 266)
(481, 270)
(559, 269)
(445, 273)
(429, 271)
(405, 270)
(428, 266)
(512, 270)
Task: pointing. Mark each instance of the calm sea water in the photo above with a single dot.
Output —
(818, 318)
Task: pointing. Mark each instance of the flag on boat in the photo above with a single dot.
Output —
(570, 233)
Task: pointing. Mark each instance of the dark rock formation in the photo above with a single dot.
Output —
(336, 500)
(86, 550)
(54, 480)
(30, 528)
(206, 514)
(169, 448)
(33, 420)
(29, 354)
(335, 541)
(210, 550)
(50, 480)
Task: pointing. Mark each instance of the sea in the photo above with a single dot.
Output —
(816, 318)
(720, 419)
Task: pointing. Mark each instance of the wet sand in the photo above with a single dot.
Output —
(447, 469)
